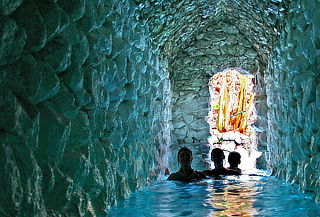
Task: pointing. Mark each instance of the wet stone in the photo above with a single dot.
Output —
(75, 9)
(58, 54)
(13, 39)
(33, 24)
(7, 7)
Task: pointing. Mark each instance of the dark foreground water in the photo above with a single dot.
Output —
(231, 196)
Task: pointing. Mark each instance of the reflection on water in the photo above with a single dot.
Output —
(230, 196)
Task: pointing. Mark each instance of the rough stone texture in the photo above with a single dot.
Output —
(85, 106)
(292, 81)
(86, 90)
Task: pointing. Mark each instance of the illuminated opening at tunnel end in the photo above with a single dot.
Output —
(231, 115)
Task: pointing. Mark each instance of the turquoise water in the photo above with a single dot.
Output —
(230, 196)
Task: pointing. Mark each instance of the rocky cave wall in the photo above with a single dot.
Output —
(86, 93)
(84, 106)
(293, 89)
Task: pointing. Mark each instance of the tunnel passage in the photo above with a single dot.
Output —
(276, 41)
(214, 36)
(93, 92)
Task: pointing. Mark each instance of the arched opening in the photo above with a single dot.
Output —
(232, 113)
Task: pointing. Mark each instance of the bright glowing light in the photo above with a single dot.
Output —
(231, 115)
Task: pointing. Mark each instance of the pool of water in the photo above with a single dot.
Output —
(230, 196)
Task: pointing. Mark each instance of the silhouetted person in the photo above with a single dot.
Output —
(234, 160)
(217, 156)
(186, 173)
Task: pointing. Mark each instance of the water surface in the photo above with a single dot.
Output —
(230, 196)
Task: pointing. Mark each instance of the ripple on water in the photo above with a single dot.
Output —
(231, 196)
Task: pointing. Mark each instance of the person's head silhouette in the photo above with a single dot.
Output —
(234, 159)
(217, 156)
(185, 157)
(186, 173)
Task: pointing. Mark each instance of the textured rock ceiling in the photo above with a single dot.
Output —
(173, 23)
